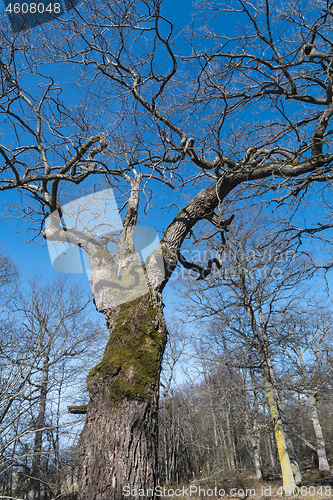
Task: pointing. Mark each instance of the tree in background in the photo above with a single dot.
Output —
(159, 108)
(44, 350)
(260, 276)
(305, 338)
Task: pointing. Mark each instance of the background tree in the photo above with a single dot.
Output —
(305, 337)
(55, 317)
(259, 275)
(171, 111)
(42, 360)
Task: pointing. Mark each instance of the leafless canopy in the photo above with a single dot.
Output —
(239, 95)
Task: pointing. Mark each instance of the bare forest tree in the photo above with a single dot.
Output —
(156, 107)
(305, 337)
(261, 276)
(51, 339)
(242, 416)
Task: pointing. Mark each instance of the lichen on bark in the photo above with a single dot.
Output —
(132, 358)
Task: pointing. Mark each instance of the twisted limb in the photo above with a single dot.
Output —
(222, 224)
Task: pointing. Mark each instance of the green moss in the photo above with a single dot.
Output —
(322, 475)
(131, 361)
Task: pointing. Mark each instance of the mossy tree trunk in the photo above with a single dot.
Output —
(118, 445)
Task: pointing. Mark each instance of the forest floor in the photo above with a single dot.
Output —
(316, 485)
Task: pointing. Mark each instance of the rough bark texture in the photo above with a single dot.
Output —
(118, 446)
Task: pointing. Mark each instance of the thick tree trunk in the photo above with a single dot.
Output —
(321, 451)
(118, 446)
(128, 376)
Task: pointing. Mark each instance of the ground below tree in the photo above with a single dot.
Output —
(317, 485)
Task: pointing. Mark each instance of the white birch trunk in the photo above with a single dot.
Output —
(321, 451)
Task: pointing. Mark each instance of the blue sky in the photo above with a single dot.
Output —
(34, 257)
